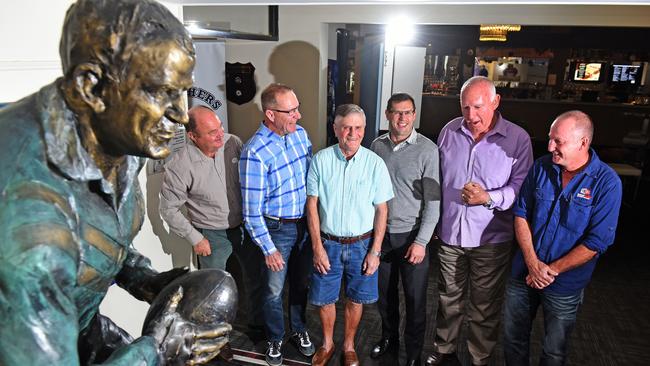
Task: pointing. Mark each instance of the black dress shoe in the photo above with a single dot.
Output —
(383, 346)
(437, 358)
(413, 362)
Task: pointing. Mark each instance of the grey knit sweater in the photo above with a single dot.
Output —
(415, 172)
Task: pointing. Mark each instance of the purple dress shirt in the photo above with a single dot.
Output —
(499, 162)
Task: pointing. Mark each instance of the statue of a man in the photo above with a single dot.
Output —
(70, 201)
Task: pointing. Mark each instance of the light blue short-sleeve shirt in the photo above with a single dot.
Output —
(348, 190)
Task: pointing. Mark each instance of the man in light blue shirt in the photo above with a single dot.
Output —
(272, 170)
(348, 187)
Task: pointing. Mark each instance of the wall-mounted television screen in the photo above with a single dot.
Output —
(587, 71)
(626, 74)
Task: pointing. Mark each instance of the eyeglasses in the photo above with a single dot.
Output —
(408, 113)
(292, 112)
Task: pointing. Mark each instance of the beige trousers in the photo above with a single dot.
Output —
(471, 282)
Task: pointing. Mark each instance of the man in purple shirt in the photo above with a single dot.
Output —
(483, 162)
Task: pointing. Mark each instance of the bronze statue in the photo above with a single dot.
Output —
(70, 199)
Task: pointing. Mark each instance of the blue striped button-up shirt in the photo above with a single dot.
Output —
(273, 172)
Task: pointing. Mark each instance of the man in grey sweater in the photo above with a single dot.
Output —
(412, 162)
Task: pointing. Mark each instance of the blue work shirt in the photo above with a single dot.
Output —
(584, 212)
(348, 190)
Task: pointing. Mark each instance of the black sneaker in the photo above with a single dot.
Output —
(274, 353)
(303, 343)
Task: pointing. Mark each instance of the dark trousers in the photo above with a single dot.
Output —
(414, 281)
(249, 256)
(560, 314)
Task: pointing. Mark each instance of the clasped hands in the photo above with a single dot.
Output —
(540, 275)
(473, 194)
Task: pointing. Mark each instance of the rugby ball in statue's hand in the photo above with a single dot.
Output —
(209, 297)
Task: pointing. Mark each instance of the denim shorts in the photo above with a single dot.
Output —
(346, 260)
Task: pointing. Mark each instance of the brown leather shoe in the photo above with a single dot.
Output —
(322, 356)
(350, 358)
(226, 353)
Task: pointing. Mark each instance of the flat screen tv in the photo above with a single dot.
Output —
(591, 72)
(625, 74)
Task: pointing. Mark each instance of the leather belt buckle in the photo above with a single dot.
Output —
(347, 239)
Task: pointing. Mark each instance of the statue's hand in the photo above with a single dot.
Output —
(181, 342)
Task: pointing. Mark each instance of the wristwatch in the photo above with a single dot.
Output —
(489, 203)
(375, 253)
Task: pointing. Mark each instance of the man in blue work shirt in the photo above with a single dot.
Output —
(273, 170)
(347, 190)
(565, 218)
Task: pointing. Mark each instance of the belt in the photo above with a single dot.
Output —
(282, 219)
(346, 239)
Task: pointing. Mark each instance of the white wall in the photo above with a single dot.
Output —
(29, 56)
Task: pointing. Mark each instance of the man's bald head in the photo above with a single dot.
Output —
(205, 130)
(199, 113)
(580, 123)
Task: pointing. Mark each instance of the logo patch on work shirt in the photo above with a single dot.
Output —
(584, 193)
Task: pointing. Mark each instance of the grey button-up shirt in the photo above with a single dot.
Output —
(209, 189)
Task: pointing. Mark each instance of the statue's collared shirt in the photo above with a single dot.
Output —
(348, 190)
(64, 148)
(64, 236)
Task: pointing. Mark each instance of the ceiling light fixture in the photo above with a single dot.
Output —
(497, 32)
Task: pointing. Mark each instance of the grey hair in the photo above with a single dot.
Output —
(344, 110)
(475, 80)
(270, 94)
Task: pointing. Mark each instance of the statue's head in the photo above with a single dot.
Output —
(127, 64)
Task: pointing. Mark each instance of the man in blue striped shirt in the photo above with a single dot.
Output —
(273, 170)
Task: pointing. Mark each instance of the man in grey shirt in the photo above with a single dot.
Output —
(204, 177)
(412, 161)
